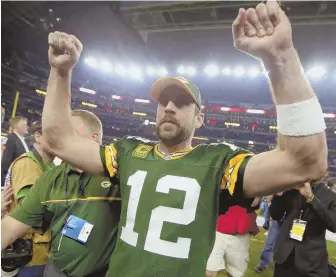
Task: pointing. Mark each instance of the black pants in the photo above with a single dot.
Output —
(287, 269)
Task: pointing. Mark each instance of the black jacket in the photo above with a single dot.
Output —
(311, 256)
(14, 149)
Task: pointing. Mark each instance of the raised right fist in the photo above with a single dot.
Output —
(64, 50)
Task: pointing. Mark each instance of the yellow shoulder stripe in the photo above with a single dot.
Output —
(91, 198)
(111, 159)
(231, 172)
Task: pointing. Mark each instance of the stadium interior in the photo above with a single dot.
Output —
(127, 45)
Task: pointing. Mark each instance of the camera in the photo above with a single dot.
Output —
(18, 256)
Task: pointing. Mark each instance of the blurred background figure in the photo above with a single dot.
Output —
(15, 145)
(235, 227)
(3, 111)
(332, 184)
(272, 235)
(21, 176)
(300, 250)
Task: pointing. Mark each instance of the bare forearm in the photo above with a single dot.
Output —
(56, 114)
(289, 85)
(10, 231)
(287, 80)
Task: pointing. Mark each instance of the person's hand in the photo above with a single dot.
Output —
(255, 202)
(305, 190)
(64, 51)
(279, 193)
(264, 32)
(6, 200)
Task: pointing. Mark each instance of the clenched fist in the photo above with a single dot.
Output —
(264, 32)
(64, 50)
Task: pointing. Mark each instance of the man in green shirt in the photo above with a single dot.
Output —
(65, 192)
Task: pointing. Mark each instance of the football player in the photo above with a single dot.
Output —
(170, 190)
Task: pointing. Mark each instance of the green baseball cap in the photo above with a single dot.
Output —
(161, 84)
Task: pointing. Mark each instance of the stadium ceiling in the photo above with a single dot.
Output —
(206, 15)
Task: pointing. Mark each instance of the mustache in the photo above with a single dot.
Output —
(169, 119)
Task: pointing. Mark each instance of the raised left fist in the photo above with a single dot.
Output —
(264, 32)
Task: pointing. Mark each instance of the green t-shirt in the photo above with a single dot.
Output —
(90, 197)
(170, 205)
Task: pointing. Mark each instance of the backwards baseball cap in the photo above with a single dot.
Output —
(161, 84)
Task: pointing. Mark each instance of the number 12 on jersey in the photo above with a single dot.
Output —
(161, 214)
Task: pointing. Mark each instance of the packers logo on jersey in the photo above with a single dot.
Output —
(142, 151)
(105, 184)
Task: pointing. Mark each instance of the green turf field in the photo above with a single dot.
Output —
(257, 244)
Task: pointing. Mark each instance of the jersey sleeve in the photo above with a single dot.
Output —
(24, 173)
(109, 158)
(234, 169)
(110, 155)
(30, 210)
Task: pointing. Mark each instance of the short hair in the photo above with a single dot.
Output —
(331, 182)
(91, 121)
(13, 121)
(36, 127)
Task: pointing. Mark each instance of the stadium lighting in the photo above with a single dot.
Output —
(316, 72)
(191, 70)
(150, 71)
(162, 71)
(120, 70)
(255, 111)
(41, 92)
(91, 62)
(105, 66)
(211, 70)
(117, 97)
(253, 72)
(146, 122)
(89, 105)
(186, 70)
(181, 69)
(141, 114)
(86, 90)
(135, 72)
(225, 109)
(329, 115)
(226, 71)
(152, 123)
(142, 100)
(239, 71)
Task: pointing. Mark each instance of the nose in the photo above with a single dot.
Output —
(170, 108)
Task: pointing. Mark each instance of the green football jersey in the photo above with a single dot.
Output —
(169, 205)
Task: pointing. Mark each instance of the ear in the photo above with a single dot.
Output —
(95, 137)
(199, 120)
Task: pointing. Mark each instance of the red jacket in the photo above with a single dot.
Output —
(237, 221)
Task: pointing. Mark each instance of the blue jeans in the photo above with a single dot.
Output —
(267, 252)
(265, 212)
(31, 271)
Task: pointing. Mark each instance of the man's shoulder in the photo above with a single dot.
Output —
(132, 142)
(12, 136)
(23, 162)
(221, 148)
(55, 172)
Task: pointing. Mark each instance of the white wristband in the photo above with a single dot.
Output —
(301, 119)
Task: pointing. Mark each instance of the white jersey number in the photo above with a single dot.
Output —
(161, 214)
